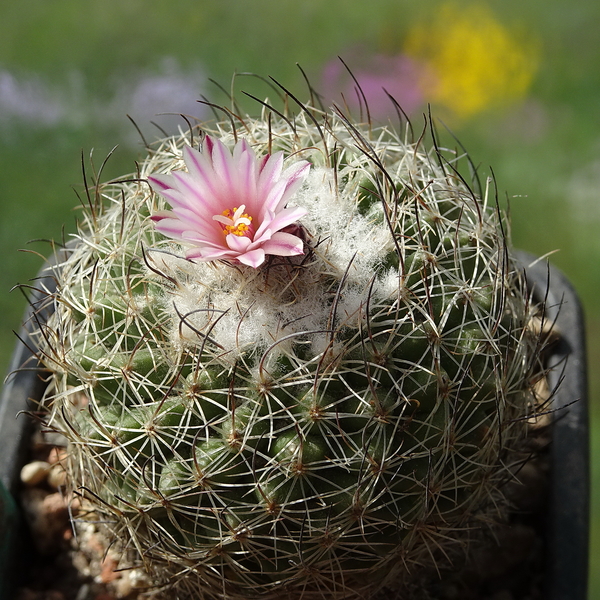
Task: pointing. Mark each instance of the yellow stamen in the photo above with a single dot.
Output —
(234, 221)
(240, 229)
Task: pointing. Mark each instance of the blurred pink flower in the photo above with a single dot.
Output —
(400, 76)
(231, 205)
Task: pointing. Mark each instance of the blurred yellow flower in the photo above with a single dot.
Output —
(474, 62)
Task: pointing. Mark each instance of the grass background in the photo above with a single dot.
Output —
(545, 149)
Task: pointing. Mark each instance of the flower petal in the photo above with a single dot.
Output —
(173, 228)
(160, 182)
(198, 195)
(223, 165)
(238, 243)
(207, 254)
(286, 217)
(248, 174)
(269, 173)
(175, 197)
(287, 185)
(278, 221)
(160, 215)
(200, 167)
(254, 258)
(204, 229)
(295, 175)
(284, 244)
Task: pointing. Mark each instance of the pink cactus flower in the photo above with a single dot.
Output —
(231, 205)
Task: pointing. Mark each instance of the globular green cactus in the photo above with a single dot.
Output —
(317, 412)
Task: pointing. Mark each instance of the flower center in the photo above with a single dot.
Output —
(235, 221)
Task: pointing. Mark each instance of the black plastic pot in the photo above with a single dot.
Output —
(21, 387)
(567, 536)
(567, 532)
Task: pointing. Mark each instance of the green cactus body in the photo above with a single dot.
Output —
(315, 427)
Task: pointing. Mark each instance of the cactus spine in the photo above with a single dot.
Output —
(318, 426)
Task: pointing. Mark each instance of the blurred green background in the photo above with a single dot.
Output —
(517, 82)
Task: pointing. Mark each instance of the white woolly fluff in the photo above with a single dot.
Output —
(351, 239)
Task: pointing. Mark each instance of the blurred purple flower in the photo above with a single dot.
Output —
(400, 76)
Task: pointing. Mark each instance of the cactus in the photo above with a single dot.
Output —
(315, 415)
